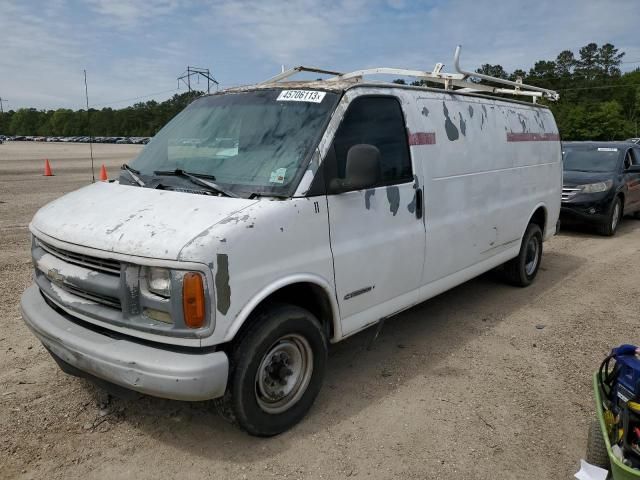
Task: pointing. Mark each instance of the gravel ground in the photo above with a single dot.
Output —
(484, 381)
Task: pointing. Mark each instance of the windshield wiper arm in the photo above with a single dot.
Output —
(200, 181)
(132, 173)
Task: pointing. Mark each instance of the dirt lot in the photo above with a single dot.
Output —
(485, 381)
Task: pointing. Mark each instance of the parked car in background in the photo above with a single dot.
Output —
(601, 183)
(633, 140)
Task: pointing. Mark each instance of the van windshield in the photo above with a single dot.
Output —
(256, 142)
(590, 159)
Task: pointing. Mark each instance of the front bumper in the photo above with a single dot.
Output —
(145, 368)
(584, 213)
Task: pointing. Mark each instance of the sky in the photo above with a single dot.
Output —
(135, 50)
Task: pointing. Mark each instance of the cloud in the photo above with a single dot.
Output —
(286, 32)
(128, 14)
(131, 49)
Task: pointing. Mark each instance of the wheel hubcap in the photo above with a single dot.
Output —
(532, 256)
(284, 373)
(616, 216)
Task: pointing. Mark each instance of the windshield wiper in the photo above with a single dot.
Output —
(132, 173)
(196, 178)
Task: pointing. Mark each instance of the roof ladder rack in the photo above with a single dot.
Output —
(460, 79)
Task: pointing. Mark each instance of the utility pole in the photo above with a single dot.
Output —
(86, 94)
(198, 72)
(2, 100)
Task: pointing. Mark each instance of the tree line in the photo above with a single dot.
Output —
(143, 119)
(597, 102)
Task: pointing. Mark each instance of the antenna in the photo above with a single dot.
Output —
(86, 93)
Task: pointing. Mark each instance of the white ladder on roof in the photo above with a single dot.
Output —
(460, 80)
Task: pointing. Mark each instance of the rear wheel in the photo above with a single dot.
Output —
(610, 226)
(522, 270)
(277, 369)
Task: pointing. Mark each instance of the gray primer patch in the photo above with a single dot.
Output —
(412, 205)
(463, 125)
(223, 289)
(425, 111)
(416, 185)
(470, 111)
(393, 196)
(367, 197)
(523, 122)
(450, 128)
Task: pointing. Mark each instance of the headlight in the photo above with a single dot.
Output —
(597, 187)
(159, 281)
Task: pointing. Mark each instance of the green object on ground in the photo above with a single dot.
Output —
(619, 471)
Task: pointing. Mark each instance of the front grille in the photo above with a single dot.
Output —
(569, 192)
(94, 297)
(103, 264)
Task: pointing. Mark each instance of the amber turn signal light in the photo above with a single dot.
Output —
(193, 300)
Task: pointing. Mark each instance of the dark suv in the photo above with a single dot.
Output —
(601, 183)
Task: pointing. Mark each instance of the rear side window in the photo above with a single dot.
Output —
(376, 121)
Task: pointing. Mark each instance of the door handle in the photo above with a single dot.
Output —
(419, 203)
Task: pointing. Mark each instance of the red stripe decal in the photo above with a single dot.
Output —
(532, 137)
(422, 138)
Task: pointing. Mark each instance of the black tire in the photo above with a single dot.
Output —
(519, 271)
(608, 229)
(277, 328)
(596, 449)
(636, 215)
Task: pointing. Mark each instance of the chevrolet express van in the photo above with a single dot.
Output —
(263, 223)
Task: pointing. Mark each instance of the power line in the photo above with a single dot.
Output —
(134, 98)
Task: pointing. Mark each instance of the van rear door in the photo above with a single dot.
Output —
(378, 234)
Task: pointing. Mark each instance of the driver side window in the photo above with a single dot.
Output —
(376, 121)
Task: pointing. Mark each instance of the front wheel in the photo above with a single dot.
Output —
(608, 229)
(277, 369)
(522, 270)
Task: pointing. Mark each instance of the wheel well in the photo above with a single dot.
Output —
(305, 295)
(539, 217)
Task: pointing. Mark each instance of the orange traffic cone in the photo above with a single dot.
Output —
(103, 174)
(47, 168)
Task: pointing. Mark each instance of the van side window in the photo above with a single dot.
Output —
(635, 156)
(376, 121)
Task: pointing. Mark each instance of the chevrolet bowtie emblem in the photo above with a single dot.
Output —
(55, 276)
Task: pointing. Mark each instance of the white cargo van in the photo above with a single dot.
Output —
(264, 222)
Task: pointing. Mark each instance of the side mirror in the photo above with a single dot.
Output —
(633, 169)
(363, 169)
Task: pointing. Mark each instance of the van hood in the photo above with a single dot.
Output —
(133, 220)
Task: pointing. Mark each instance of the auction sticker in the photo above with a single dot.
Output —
(301, 96)
(277, 176)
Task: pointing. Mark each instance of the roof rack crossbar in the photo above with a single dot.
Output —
(459, 80)
(294, 70)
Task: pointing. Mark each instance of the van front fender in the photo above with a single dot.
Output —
(273, 287)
